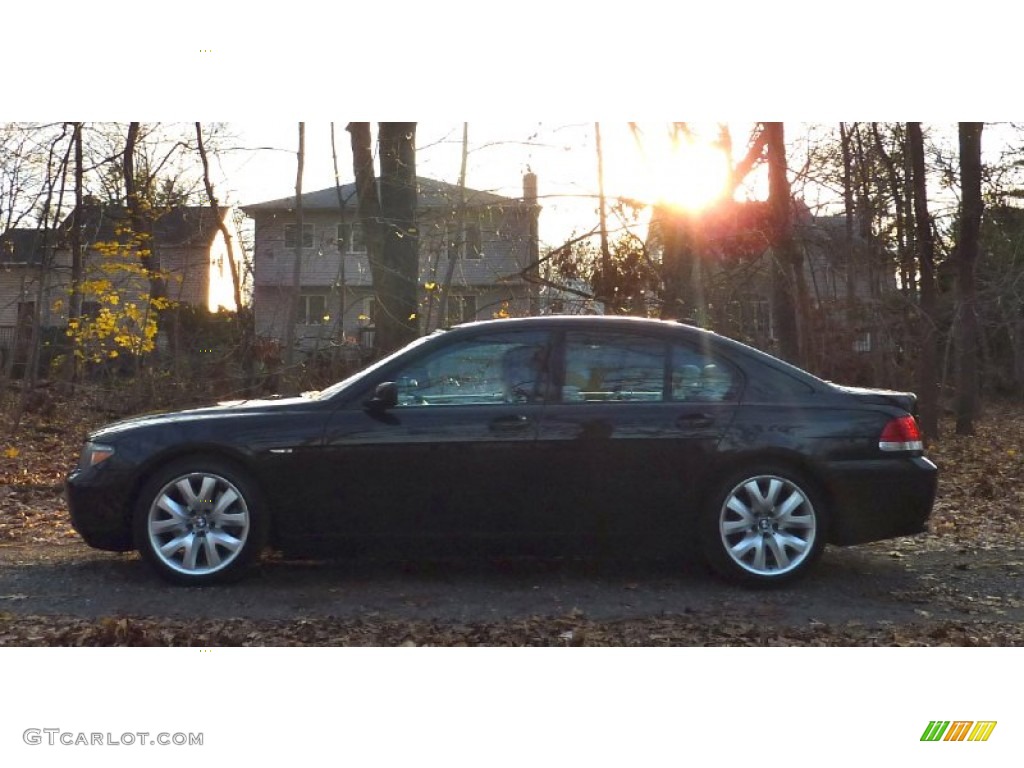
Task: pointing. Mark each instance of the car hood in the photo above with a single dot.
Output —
(905, 400)
(233, 408)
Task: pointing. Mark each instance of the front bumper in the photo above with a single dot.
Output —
(880, 499)
(99, 500)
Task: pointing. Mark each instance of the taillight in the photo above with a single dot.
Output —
(901, 434)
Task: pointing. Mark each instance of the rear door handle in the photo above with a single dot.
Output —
(695, 420)
(516, 423)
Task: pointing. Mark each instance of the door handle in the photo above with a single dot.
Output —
(693, 420)
(515, 423)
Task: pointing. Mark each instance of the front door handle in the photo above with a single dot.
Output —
(516, 423)
(695, 420)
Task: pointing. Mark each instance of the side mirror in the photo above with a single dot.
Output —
(385, 396)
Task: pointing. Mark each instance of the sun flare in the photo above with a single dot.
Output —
(689, 174)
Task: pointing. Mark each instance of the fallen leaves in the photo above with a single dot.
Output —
(536, 631)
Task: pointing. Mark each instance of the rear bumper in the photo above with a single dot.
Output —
(99, 507)
(880, 499)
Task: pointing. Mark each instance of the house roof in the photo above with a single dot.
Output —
(181, 226)
(430, 194)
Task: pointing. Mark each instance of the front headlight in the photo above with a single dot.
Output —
(93, 454)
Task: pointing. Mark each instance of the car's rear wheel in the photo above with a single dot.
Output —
(764, 526)
(200, 521)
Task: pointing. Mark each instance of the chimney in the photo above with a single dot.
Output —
(530, 188)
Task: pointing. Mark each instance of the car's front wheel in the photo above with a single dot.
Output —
(763, 526)
(200, 521)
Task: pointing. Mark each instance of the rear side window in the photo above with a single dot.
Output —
(698, 376)
(622, 367)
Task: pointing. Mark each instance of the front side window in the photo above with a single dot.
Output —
(291, 235)
(490, 370)
(620, 367)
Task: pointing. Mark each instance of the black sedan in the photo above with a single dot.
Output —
(540, 435)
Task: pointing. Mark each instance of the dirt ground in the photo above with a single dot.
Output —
(958, 585)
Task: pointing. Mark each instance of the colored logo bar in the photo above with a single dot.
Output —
(958, 730)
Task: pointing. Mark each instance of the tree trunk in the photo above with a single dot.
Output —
(927, 374)
(604, 284)
(968, 396)
(851, 270)
(460, 227)
(397, 272)
(787, 265)
(140, 221)
(295, 292)
(367, 198)
(77, 271)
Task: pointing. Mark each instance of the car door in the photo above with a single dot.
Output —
(453, 458)
(632, 434)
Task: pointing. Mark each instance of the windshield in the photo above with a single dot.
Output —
(334, 389)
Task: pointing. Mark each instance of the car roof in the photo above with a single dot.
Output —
(628, 322)
(583, 320)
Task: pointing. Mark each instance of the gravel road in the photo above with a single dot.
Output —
(892, 583)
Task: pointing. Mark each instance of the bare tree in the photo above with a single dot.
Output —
(460, 226)
(971, 207)
(136, 198)
(242, 313)
(52, 210)
(388, 214)
(927, 372)
(787, 273)
(603, 290)
(295, 295)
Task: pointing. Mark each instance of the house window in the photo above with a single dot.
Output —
(474, 242)
(758, 315)
(351, 238)
(862, 342)
(313, 309)
(451, 238)
(461, 309)
(291, 235)
(470, 238)
(369, 313)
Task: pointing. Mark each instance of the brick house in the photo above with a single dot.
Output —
(487, 260)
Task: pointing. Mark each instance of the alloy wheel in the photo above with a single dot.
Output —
(198, 524)
(768, 525)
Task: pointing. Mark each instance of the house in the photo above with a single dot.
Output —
(731, 281)
(21, 267)
(191, 250)
(481, 263)
(36, 264)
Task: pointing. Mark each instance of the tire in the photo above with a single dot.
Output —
(763, 526)
(200, 521)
